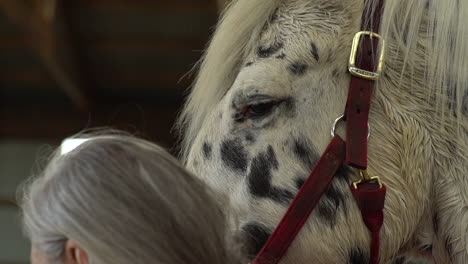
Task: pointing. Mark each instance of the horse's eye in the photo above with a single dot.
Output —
(258, 110)
(256, 107)
(261, 109)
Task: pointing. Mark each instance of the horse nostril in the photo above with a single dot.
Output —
(254, 236)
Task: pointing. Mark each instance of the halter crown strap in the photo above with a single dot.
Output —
(367, 63)
(365, 68)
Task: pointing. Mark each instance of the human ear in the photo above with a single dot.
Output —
(38, 257)
(74, 254)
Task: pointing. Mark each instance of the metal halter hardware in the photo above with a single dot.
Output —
(356, 71)
(364, 177)
(335, 123)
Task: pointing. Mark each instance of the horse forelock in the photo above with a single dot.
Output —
(235, 36)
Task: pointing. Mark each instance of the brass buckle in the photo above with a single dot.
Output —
(364, 177)
(352, 58)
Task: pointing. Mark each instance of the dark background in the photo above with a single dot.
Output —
(68, 65)
(72, 64)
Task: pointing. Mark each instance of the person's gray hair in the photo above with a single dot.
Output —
(124, 200)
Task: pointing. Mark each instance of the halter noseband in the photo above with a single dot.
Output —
(365, 66)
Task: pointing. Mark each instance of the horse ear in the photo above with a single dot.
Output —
(74, 254)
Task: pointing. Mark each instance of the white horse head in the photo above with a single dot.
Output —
(270, 85)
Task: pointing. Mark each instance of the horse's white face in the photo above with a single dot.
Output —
(259, 142)
(262, 140)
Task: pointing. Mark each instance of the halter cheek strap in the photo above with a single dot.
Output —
(365, 66)
(370, 199)
(303, 204)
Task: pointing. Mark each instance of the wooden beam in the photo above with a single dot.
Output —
(167, 6)
(131, 83)
(43, 25)
(7, 203)
(123, 44)
(57, 123)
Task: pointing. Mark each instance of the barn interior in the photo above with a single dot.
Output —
(70, 65)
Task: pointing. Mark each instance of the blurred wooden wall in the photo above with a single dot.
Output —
(72, 64)
(68, 65)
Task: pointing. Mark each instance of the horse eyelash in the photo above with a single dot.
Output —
(259, 110)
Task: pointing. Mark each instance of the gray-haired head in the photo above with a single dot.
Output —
(124, 200)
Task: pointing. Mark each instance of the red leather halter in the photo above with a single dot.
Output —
(365, 66)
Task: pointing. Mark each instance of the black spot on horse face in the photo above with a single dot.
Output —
(234, 155)
(282, 56)
(250, 138)
(464, 108)
(335, 73)
(290, 107)
(399, 260)
(272, 156)
(255, 235)
(435, 223)
(303, 152)
(298, 68)
(327, 214)
(330, 203)
(336, 196)
(266, 52)
(248, 64)
(274, 16)
(280, 195)
(299, 181)
(314, 51)
(259, 179)
(207, 150)
(345, 173)
(357, 256)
